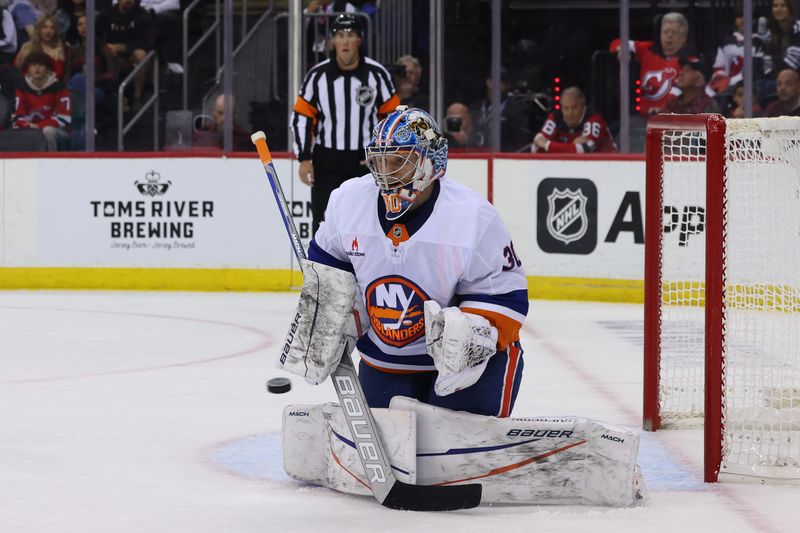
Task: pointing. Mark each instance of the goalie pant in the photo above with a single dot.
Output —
(556, 461)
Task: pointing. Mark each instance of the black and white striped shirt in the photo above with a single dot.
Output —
(338, 109)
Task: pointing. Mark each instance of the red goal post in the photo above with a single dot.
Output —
(722, 289)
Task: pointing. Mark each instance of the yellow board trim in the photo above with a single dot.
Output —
(783, 298)
(151, 279)
(586, 289)
(202, 279)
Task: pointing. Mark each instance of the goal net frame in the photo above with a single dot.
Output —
(709, 292)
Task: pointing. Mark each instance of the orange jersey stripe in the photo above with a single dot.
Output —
(388, 106)
(508, 382)
(304, 108)
(393, 370)
(507, 328)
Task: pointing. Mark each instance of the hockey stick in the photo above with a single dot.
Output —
(386, 488)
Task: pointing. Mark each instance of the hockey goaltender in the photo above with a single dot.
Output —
(434, 257)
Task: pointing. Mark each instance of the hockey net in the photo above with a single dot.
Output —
(722, 290)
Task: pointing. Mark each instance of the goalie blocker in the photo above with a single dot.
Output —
(567, 461)
(323, 324)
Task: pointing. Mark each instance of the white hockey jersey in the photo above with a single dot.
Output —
(454, 249)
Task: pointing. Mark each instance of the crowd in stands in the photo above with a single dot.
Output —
(673, 77)
(43, 50)
(43, 58)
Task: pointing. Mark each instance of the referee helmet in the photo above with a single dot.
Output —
(346, 22)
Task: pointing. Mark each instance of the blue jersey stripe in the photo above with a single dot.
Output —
(514, 300)
(317, 254)
(367, 347)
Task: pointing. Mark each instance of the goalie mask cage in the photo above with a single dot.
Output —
(722, 290)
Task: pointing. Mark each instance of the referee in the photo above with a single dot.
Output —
(340, 102)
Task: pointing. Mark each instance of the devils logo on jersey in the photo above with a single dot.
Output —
(395, 309)
(735, 65)
(657, 83)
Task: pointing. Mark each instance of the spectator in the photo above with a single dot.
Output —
(26, 13)
(515, 132)
(782, 38)
(105, 67)
(67, 18)
(736, 107)
(407, 73)
(659, 61)
(213, 137)
(693, 98)
(8, 35)
(788, 102)
(574, 129)
(43, 102)
(125, 28)
(458, 127)
(46, 38)
(329, 143)
(729, 63)
(8, 48)
(166, 20)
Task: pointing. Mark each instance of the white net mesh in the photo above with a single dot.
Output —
(762, 347)
(682, 276)
(761, 376)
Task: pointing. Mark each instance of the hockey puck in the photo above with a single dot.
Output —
(279, 385)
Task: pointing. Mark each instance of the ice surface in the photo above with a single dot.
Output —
(147, 412)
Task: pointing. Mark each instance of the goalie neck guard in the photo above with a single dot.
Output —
(406, 155)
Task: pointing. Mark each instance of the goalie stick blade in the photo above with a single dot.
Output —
(405, 497)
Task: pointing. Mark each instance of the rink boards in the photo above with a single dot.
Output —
(210, 223)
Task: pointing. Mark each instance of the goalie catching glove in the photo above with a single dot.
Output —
(460, 345)
(324, 323)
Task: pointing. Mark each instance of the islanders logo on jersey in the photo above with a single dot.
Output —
(395, 309)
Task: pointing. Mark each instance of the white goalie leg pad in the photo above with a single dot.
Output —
(323, 323)
(318, 446)
(546, 461)
(460, 345)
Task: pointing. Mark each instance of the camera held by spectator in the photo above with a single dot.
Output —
(458, 126)
(454, 124)
(407, 75)
(398, 70)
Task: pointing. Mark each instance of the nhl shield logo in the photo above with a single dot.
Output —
(566, 215)
(365, 95)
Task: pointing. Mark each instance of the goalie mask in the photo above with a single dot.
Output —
(407, 154)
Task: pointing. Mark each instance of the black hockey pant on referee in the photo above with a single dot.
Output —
(331, 169)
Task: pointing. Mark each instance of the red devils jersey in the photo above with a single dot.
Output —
(562, 137)
(657, 75)
(45, 106)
